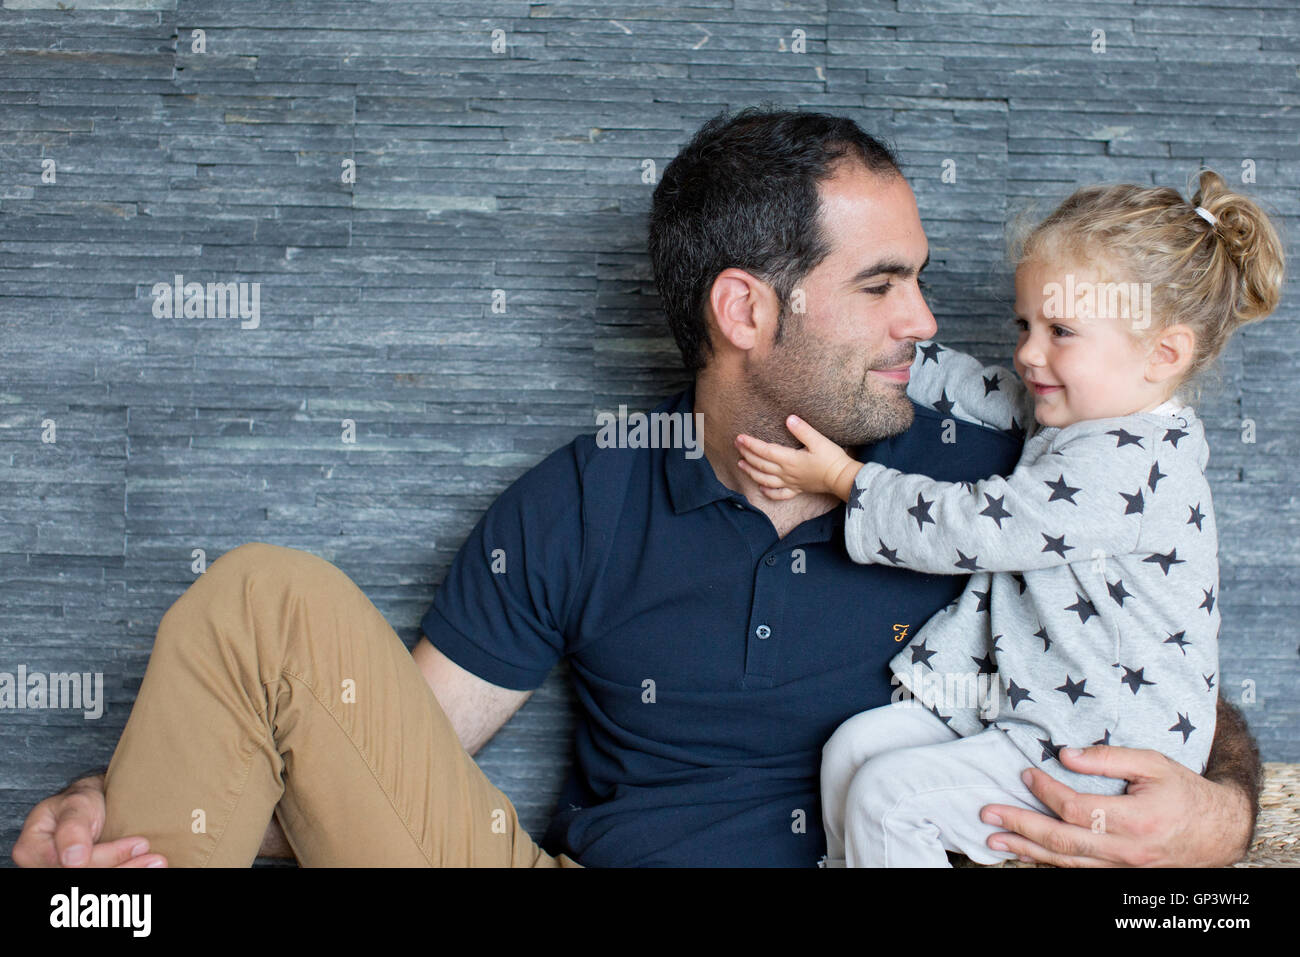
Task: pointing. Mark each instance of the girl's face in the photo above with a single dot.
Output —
(1075, 352)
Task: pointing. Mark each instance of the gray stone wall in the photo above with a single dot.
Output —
(128, 157)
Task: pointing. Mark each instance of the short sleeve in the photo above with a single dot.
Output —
(500, 611)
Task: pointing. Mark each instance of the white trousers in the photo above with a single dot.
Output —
(899, 787)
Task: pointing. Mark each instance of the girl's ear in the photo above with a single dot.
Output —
(1171, 353)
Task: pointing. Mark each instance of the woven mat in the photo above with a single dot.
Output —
(1277, 834)
(1277, 831)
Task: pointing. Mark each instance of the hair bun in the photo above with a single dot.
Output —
(1248, 238)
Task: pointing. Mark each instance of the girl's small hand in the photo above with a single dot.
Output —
(784, 472)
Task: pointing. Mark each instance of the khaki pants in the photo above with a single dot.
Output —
(275, 686)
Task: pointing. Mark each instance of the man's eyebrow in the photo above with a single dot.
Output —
(887, 267)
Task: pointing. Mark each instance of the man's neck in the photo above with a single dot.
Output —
(729, 412)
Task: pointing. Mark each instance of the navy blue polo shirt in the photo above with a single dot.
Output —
(711, 659)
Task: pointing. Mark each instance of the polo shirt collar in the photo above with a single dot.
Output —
(691, 482)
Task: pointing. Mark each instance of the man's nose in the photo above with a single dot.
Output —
(920, 324)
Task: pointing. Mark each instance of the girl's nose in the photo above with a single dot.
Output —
(1029, 353)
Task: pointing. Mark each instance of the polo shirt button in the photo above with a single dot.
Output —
(771, 559)
(763, 631)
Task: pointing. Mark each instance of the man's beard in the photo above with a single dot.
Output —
(828, 389)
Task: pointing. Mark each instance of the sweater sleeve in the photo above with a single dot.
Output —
(956, 384)
(1081, 499)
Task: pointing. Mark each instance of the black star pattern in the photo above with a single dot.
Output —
(996, 639)
(1050, 750)
(1134, 679)
(1104, 739)
(856, 496)
(1056, 544)
(1196, 516)
(1178, 639)
(1126, 438)
(890, 553)
(1073, 690)
(1062, 490)
(1020, 580)
(1183, 725)
(1209, 681)
(987, 667)
(1017, 430)
(984, 600)
(1085, 608)
(921, 512)
(991, 383)
(994, 509)
(931, 353)
(1155, 475)
(945, 718)
(970, 564)
(1208, 601)
(1173, 435)
(1166, 562)
(1042, 633)
(1118, 591)
(1135, 502)
(1017, 694)
(922, 654)
(944, 405)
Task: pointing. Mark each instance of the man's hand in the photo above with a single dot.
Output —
(1170, 816)
(62, 831)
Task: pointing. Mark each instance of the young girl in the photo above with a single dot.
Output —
(1091, 615)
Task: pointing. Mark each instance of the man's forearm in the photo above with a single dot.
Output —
(92, 773)
(1234, 762)
(275, 844)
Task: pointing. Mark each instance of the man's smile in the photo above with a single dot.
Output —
(902, 374)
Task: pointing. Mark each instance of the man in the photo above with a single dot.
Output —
(716, 638)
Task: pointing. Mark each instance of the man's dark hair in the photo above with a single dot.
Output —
(743, 193)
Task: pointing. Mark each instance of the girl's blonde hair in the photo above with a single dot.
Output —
(1212, 277)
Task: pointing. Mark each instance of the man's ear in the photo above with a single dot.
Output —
(1171, 353)
(743, 310)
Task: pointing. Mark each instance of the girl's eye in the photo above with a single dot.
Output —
(1023, 326)
(879, 290)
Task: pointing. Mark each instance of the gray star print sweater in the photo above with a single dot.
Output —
(1091, 611)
